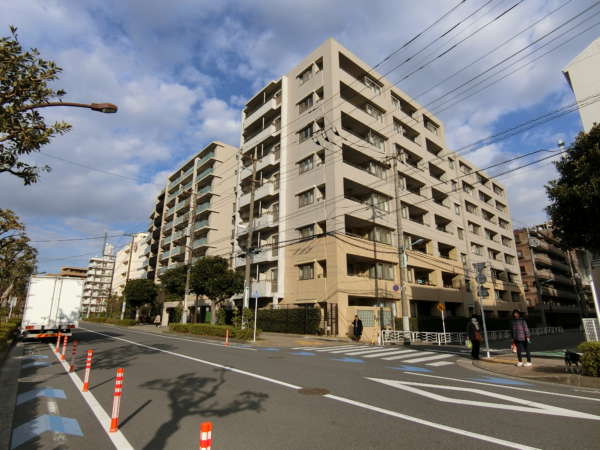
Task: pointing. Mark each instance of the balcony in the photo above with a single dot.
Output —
(201, 224)
(209, 155)
(204, 174)
(266, 190)
(181, 219)
(201, 242)
(268, 160)
(202, 207)
(269, 130)
(269, 105)
(181, 205)
(263, 288)
(178, 251)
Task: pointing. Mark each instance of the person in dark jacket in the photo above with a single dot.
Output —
(521, 338)
(357, 328)
(474, 333)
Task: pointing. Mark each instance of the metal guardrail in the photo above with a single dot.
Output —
(431, 337)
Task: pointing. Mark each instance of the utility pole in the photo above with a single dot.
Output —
(127, 276)
(377, 301)
(401, 250)
(247, 279)
(188, 254)
(480, 280)
(575, 282)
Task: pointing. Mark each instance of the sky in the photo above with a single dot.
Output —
(180, 73)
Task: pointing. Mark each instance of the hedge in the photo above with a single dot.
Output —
(7, 333)
(206, 329)
(123, 323)
(590, 361)
(289, 320)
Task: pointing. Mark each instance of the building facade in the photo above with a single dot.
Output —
(347, 168)
(548, 277)
(98, 282)
(583, 76)
(130, 262)
(193, 215)
(73, 272)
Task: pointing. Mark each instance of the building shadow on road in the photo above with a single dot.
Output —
(191, 395)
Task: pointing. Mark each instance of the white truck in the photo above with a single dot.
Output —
(52, 306)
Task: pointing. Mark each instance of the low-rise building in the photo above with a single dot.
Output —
(130, 262)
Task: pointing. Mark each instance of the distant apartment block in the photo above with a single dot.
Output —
(73, 272)
(97, 285)
(130, 262)
(583, 76)
(192, 217)
(551, 280)
(326, 137)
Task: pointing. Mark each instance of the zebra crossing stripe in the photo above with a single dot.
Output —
(392, 358)
(323, 349)
(363, 347)
(390, 352)
(429, 358)
(440, 363)
(365, 352)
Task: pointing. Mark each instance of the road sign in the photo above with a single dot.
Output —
(479, 267)
(481, 278)
(482, 292)
(441, 307)
(395, 287)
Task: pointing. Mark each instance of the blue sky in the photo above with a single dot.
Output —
(181, 71)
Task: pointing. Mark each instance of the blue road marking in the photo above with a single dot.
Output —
(35, 364)
(495, 380)
(35, 357)
(410, 369)
(40, 425)
(304, 353)
(44, 392)
(348, 360)
(269, 349)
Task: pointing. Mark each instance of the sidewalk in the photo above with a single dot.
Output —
(551, 370)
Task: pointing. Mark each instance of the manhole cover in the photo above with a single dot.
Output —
(313, 391)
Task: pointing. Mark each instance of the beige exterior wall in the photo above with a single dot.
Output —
(583, 76)
(130, 268)
(98, 281)
(349, 172)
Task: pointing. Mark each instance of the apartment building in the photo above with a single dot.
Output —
(549, 277)
(193, 215)
(72, 272)
(98, 281)
(348, 166)
(130, 262)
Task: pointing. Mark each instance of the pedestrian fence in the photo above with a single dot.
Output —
(430, 337)
(592, 329)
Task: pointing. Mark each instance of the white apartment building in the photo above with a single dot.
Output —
(192, 217)
(98, 282)
(326, 137)
(130, 262)
(583, 76)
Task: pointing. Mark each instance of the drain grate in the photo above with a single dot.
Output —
(313, 391)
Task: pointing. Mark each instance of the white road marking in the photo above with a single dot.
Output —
(58, 438)
(440, 363)
(362, 347)
(118, 438)
(388, 412)
(324, 348)
(392, 358)
(528, 406)
(536, 391)
(390, 353)
(365, 352)
(428, 358)
(427, 423)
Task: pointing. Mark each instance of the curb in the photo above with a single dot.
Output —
(10, 370)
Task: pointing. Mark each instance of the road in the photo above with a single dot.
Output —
(338, 397)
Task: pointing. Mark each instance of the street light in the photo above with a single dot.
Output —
(107, 108)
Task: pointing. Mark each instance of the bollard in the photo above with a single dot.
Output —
(57, 343)
(64, 347)
(114, 420)
(205, 435)
(227, 336)
(88, 367)
(73, 354)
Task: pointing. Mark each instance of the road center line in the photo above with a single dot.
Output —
(506, 387)
(348, 401)
(118, 438)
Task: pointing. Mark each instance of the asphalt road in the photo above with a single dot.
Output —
(302, 398)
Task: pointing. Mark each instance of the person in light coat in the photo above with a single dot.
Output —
(521, 338)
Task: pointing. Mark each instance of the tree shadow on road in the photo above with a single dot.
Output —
(191, 395)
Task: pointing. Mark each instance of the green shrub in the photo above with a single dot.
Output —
(289, 320)
(590, 361)
(7, 333)
(205, 329)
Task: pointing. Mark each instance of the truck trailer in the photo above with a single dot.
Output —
(52, 306)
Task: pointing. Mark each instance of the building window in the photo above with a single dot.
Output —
(307, 271)
(305, 104)
(382, 235)
(305, 76)
(307, 231)
(461, 233)
(457, 209)
(372, 85)
(306, 198)
(306, 164)
(476, 249)
(451, 163)
(382, 271)
(509, 259)
(305, 133)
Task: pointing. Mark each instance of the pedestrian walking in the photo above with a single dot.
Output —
(357, 328)
(521, 338)
(474, 333)
(157, 320)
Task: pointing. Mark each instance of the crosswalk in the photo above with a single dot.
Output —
(408, 356)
